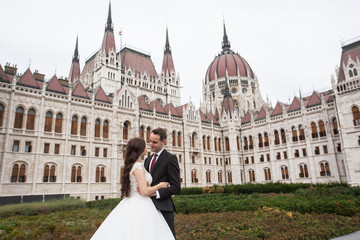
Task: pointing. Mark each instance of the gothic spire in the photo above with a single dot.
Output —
(75, 65)
(227, 93)
(76, 52)
(109, 39)
(168, 63)
(226, 42)
(167, 44)
(109, 25)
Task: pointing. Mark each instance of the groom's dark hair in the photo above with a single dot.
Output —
(161, 132)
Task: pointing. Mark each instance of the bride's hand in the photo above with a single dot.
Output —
(163, 185)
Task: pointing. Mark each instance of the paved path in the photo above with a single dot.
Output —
(351, 236)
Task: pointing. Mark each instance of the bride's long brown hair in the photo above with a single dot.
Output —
(134, 148)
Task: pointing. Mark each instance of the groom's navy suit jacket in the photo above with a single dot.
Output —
(166, 169)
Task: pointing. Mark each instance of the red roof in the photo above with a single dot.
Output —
(158, 107)
(28, 80)
(172, 109)
(247, 118)
(180, 109)
(261, 115)
(295, 105)
(79, 91)
(3, 76)
(137, 62)
(108, 42)
(228, 105)
(350, 51)
(278, 109)
(314, 100)
(89, 65)
(55, 86)
(74, 71)
(168, 63)
(100, 95)
(143, 105)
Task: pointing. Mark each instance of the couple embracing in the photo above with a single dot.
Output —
(147, 210)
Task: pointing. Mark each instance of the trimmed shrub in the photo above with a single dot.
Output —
(109, 203)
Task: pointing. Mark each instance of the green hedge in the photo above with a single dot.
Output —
(104, 204)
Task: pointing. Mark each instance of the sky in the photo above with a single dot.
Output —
(291, 46)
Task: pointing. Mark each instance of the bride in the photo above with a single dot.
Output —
(136, 216)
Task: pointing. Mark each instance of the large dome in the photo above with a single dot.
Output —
(227, 60)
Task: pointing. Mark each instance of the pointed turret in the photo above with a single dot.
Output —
(75, 65)
(109, 39)
(168, 63)
(228, 102)
(226, 42)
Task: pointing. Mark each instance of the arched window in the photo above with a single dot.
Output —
(76, 173)
(19, 116)
(314, 132)
(219, 144)
(179, 139)
(106, 129)
(208, 143)
(356, 115)
(126, 130)
(294, 134)
(284, 172)
(174, 138)
(322, 129)
(194, 179)
(220, 176)
(267, 174)
(142, 132)
(355, 72)
(238, 142)
(83, 126)
(261, 144)
(283, 137)
(229, 176)
(2, 109)
(266, 139)
(246, 146)
(18, 173)
(215, 144)
(303, 171)
(277, 140)
(100, 174)
(208, 176)
(48, 121)
(251, 143)
(30, 121)
(350, 73)
(193, 139)
(324, 169)
(251, 175)
(204, 142)
(301, 133)
(97, 128)
(335, 126)
(227, 144)
(74, 125)
(49, 173)
(58, 123)
(148, 131)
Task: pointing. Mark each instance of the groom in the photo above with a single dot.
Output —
(163, 167)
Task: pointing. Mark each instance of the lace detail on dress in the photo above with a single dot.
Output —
(133, 183)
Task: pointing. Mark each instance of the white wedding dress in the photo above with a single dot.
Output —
(135, 217)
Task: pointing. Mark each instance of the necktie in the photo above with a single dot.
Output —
(153, 163)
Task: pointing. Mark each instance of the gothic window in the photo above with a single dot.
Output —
(19, 116)
(356, 115)
(174, 138)
(49, 173)
(284, 172)
(208, 176)
(246, 146)
(229, 176)
(76, 173)
(193, 139)
(74, 125)
(204, 142)
(266, 139)
(322, 129)
(194, 179)
(219, 144)
(261, 144)
(48, 121)
(126, 130)
(294, 134)
(208, 143)
(106, 129)
(97, 128)
(100, 174)
(2, 108)
(301, 133)
(314, 132)
(215, 144)
(324, 169)
(179, 139)
(303, 171)
(251, 143)
(30, 121)
(58, 123)
(277, 140)
(227, 144)
(83, 126)
(142, 133)
(283, 137)
(251, 175)
(148, 131)
(18, 173)
(335, 126)
(220, 176)
(267, 174)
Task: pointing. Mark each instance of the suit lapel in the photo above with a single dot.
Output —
(147, 162)
(159, 160)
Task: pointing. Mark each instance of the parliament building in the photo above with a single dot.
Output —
(69, 135)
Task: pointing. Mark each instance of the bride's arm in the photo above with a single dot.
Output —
(144, 189)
